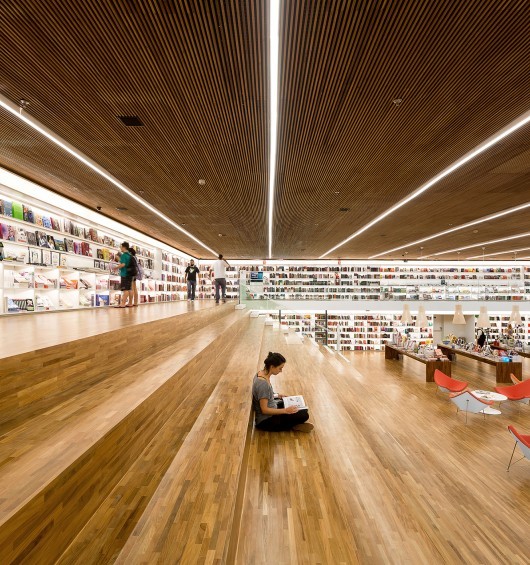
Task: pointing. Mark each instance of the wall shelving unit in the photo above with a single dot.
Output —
(56, 261)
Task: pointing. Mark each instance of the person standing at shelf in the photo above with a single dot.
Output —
(138, 277)
(126, 276)
(218, 273)
(190, 277)
(270, 415)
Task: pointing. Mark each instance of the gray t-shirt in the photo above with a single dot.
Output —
(262, 389)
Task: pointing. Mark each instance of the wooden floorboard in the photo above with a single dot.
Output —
(190, 517)
(57, 485)
(391, 474)
(107, 531)
(27, 333)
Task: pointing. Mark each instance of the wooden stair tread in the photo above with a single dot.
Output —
(58, 444)
(105, 534)
(190, 517)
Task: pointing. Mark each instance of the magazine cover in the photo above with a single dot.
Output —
(32, 238)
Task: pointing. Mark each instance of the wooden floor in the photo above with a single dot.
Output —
(391, 474)
(29, 332)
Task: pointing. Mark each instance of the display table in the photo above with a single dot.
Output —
(490, 395)
(393, 352)
(504, 348)
(502, 368)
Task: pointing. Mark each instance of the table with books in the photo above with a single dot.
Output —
(504, 348)
(393, 351)
(502, 368)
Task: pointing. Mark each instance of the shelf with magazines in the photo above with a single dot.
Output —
(52, 260)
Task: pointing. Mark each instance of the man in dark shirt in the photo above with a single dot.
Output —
(191, 278)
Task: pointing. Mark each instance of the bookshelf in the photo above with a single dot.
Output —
(354, 331)
(56, 261)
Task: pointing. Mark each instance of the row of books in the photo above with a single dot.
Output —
(12, 209)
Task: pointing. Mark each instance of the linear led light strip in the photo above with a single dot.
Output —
(499, 253)
(484, 243)
(510, 128)
(274, 37)
(36, 125)
(458, 228)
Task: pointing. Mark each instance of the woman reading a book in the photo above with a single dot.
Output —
(271, 415)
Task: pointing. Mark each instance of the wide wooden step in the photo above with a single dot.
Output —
(48, 492)
(194, 511)
(34, 382)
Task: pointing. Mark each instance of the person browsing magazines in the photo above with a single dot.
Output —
(269, 415)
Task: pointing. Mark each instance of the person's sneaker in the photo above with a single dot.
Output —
(305, 427)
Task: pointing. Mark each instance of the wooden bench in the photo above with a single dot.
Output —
(444, 365)
(503, 369)
(35, 382)
(61, 465)
(190, 518)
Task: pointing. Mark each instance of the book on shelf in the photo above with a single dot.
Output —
(32, 238)
(8, 232)
(22, 236)
(8, 208)
(297, 400)
(18, 211)
(47, 222)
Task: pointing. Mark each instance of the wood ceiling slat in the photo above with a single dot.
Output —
(196, 72)
(462, 70)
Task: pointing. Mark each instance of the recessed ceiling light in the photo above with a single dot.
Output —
(337, 192)
(397, 101)
(121, 209)
(202, 182)
(344, 209)
(221, 234)
(475, 231)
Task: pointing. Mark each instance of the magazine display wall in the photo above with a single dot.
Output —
(354, 331)
(206, 287)
(55, 262)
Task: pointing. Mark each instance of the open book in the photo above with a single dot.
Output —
(297, 401)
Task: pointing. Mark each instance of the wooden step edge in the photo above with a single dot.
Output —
(94, 544)
(185, 468)
(48, 517)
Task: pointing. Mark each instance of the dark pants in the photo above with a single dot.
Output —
(283, 422)
(191, 289)
(220, 284)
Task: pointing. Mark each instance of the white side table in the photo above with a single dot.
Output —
(489, 395)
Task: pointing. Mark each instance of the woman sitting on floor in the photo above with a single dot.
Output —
(271, 416)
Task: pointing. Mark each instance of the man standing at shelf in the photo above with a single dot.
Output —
(126, 276)
(191, 278)
(218, 273)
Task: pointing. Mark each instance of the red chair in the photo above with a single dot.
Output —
(523, 442)
(518, 392)
(515, 380)
(447, 384)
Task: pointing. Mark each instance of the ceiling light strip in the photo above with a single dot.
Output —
(499, 253)
(274, 38)
(457, 228)
(484, 243)
(509, 129)
(36, 125)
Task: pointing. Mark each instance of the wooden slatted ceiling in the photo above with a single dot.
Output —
(195, 72)
(463, 73)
